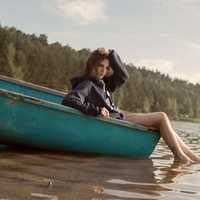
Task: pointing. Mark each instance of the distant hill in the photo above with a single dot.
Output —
(31, 58)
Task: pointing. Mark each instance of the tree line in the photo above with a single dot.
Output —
(31, 58)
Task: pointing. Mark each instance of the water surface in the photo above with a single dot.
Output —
(32, 174)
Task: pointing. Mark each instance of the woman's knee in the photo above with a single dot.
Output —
(162, 116)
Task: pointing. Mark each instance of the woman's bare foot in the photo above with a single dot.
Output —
(196, 159)
(184, 159)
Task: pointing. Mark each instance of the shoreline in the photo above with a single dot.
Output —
(193, 120)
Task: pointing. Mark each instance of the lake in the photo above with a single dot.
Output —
(33, 174)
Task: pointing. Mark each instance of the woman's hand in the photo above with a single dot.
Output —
(104, 112)
(103, 51)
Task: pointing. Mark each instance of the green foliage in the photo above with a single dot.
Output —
(31, 58)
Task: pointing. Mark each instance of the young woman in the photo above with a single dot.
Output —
(91, 95)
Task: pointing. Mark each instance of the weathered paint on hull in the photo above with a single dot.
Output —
(36, 123)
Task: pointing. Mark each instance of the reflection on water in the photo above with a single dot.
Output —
(31, 174)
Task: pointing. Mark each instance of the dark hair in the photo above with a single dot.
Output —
(94, 58)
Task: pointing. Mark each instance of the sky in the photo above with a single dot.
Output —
(157, 34)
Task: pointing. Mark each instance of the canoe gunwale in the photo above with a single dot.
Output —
(31, 100)
(33, 86)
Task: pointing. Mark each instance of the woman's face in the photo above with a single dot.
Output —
(101, 69)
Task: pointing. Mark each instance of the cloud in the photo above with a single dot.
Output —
(84, 12)
(194, 78)
(194, 46)
(180, 4)
(167, 67)
(164, 66)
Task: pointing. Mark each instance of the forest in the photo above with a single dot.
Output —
(31, 58)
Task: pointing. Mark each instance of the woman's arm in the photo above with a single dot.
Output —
(77, 99)
(120, 74)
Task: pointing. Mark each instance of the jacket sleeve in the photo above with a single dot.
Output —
(120, 74)
(77, 99)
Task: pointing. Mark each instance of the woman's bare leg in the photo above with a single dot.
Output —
(183, 146)
(160, 120)
(187, 150)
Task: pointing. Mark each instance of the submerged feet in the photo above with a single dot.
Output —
(182, 157)
(196, 159)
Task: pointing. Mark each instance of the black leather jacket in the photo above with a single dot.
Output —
(90, 94)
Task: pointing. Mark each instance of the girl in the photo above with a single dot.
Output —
(91, 95)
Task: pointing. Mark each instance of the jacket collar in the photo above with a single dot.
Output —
(77, 80)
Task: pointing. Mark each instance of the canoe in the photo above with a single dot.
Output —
(30, 89)
(25, 91)
(38, 123)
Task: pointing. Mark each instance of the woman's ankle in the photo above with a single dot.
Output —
(181, 156)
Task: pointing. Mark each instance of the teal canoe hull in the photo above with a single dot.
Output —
(37, 123)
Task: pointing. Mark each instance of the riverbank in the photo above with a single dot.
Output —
(194, 120)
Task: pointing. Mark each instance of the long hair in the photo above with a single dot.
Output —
(94, 58)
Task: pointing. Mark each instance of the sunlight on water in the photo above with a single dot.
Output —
(31, 174)
(171, 180)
